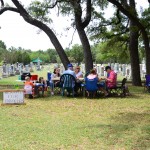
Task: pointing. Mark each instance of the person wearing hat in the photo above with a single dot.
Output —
(70, 70)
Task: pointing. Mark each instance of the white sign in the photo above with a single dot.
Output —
(13, 97)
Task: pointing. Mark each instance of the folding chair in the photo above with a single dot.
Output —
(67, 82)
(119, 90)
(91, 87)
(147, 83)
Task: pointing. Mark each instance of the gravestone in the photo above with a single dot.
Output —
(31, 67)
(112, 66)
(5, 71)
(12, 70)
(27, 68)
(102, 70)
(83, 68)
(12, 96)
(38, 68)
(123, 69)
(62, 69)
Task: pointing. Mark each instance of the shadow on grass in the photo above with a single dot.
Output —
(141, 123)
(131, 130)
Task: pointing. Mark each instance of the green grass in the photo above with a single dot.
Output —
(56, 123)
(62, 123)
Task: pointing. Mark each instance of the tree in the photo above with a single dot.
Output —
(80, 25)
(77, 53)
(106, 52)
(2, 50)
(81, 21)
(133, 47)
(52, 55)
(29, 19)
(137, 21)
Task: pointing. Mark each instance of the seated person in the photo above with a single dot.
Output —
(111, 80)
(40, 86)
(78, 72)
(91, 82)
(27, 86)
(53, 84)
(78, 75)
(95, 71)
(70, 71)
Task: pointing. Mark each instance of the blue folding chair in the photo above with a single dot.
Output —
(147, 83)
(91, 86)
(67, 82)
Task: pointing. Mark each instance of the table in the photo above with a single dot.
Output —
(58, 78)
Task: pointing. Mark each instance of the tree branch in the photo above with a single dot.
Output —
(2, 3)
(20, 8)
(127, 13)
(8, 8)
(56, 2)
(88, 14)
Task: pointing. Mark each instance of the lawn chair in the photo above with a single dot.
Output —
(67, 82)
(119, 90)
(147, 83)
(91, 87)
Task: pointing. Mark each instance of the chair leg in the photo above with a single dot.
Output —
(62, 91)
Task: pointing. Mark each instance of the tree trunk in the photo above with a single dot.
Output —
(80, 25)
(133, 48)
(134, 56)
(86, 49)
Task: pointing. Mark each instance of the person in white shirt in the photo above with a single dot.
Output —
(78, 72)
(55, 74)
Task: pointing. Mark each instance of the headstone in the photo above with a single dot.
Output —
(128, 71)
(12, 70)
(27, 68)
(102, 70)
(112, 66)
(123, 69)
(5, 72)
(13, 97)
(38, 65)
(62, 69)
(83, 68)
(31, 67)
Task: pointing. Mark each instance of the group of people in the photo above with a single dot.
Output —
(39, 85)
(101, 84)
(56, 73)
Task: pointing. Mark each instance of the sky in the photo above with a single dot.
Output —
(14, 31)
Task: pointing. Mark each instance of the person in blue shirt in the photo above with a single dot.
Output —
(70, 70)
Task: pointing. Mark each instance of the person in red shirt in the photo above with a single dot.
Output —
(111, 80)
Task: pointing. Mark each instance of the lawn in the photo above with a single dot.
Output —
(62, 123)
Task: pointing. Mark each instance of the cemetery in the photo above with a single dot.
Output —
(74, 75)
(81, 117)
